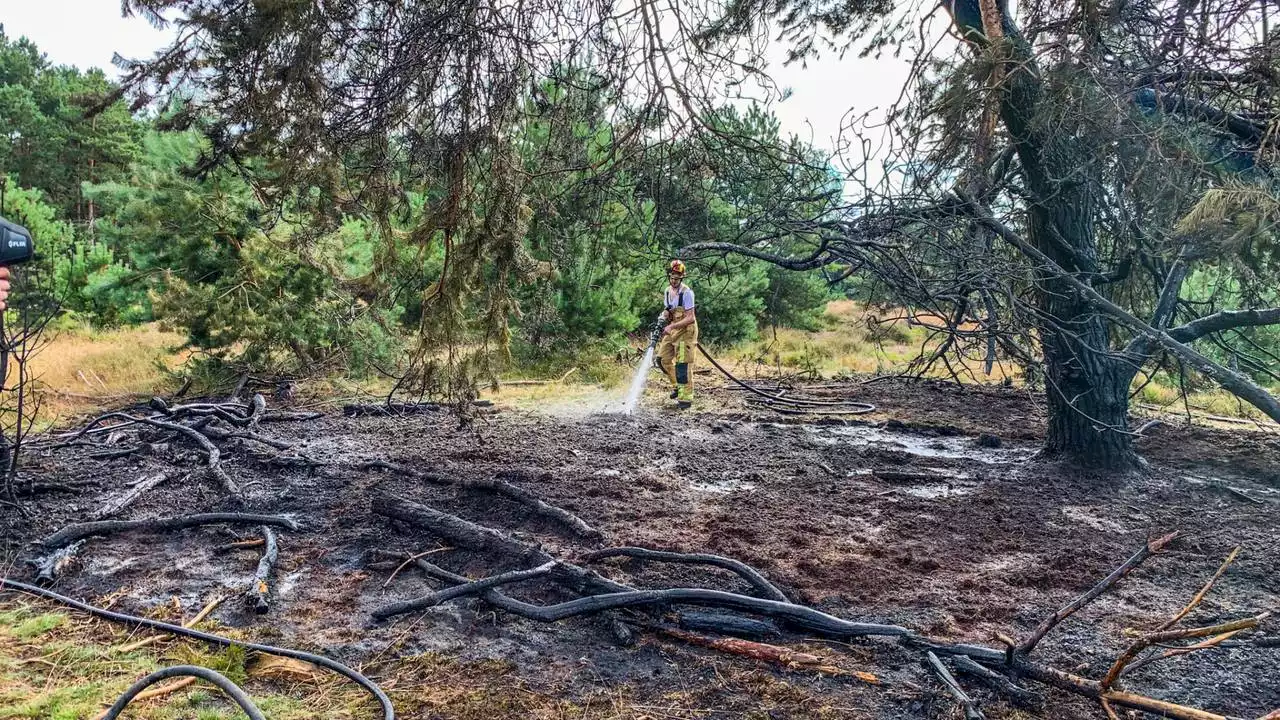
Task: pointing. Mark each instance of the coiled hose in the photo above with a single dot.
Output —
(846, 407)
(388, 711)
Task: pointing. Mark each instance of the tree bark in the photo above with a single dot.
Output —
(1086, 383)
(1087, 394)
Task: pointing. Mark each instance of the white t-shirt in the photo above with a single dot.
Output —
(681, 297)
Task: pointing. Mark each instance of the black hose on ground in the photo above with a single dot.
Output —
(388, 711)
(221, 681)
(854, 407)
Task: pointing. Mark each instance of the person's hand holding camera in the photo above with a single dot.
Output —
(4, 287)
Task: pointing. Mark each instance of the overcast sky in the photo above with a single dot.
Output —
(86, 33)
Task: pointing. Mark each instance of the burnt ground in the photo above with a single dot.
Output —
(900, 517)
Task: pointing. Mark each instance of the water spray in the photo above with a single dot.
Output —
(642, 372)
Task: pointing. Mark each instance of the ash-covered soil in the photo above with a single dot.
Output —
(901, 516)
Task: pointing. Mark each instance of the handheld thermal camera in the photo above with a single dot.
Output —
(16, 245)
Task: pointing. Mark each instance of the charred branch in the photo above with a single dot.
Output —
(465, 534)
(758, 581)
(78, 531)
(477, 587)
(148, 483)
(966, 703)
(498, 487)
(1049, 623)
(259, 594)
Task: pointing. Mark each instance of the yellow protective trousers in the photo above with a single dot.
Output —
(675, 356)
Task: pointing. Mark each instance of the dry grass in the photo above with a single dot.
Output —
(854, 340)
(80, 370)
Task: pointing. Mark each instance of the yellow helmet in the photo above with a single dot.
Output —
(676, 268)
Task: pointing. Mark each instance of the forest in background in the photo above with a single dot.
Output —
(386, 219)
(134, 226)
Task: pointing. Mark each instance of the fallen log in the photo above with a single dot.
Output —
(742, 570)
(725, 624)
(506, 489)
(258, 594)
(78, 531)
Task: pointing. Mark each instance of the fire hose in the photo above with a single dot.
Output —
(789, 405)
(793, 405)
(388, 711)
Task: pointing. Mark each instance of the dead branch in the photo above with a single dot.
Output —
(1052, 621)
(154, 693)
(1092, 689)
(966, 665)
(725, 624)
(240, 545)
(212, 453)
(813, 620)
(257, 408)
(773, 654)
(28, 489)
(465, 534)
(71, 533)
(1175, 652)
(491, 596)
(611, 595)
(431, 477)
(393, 409)
(285, 416)
(217, 433)
(744, 571)
(1203, 591)
(409, 560)
(151, 639)
(971, 711)
(520, 495)
(476, 587)
(1170, 635)
(258, 594)
(126, 499)
(496, 486)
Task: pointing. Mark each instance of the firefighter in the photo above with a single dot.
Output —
(679, 336)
